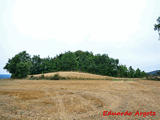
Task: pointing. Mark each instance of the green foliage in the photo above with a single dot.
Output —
(36, 64)
(66, 62)
(131, 73)
(21, 65)
(42, 77)
(122, 71)
(55, 77)
(157, 26)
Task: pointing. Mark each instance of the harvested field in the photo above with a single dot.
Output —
(77, 99)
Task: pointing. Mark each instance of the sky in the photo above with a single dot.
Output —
(123, 29)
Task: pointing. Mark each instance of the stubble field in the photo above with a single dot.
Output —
(77, 99)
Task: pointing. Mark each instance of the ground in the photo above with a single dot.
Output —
(78, 99)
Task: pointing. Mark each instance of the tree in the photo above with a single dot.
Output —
(19, 66)
(47, 65)
(122, 71)
(22, 64)
(131, 73)
(157, 26)
(138, 73)
(85, 61)
(36, 64)
(66, 61)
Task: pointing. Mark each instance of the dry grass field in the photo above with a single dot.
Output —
(78, 99)
(76, 75)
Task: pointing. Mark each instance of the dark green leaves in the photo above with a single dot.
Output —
(19, 66)
(22, 64)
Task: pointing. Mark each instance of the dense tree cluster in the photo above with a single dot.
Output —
(19, 66)
(23, 64)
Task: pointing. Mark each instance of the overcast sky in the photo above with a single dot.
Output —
(122, 29)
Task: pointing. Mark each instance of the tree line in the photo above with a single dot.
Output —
(22, 64)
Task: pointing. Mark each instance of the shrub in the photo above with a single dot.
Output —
(55, 77)
(42, 76)
(33, 78)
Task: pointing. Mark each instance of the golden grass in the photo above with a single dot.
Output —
(94, 100)
(49, 102)
(23, 94)
(76, 75)
(77, 99)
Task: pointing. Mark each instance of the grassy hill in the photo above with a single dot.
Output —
(75, 75)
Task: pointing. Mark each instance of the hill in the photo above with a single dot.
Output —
(153, 72)
(75, 75)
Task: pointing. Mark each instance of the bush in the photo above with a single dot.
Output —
(55, 77)
(33, 78)
(42, 77)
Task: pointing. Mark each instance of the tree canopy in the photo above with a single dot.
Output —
(157, 26)
(19, 66)
(22, 64)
